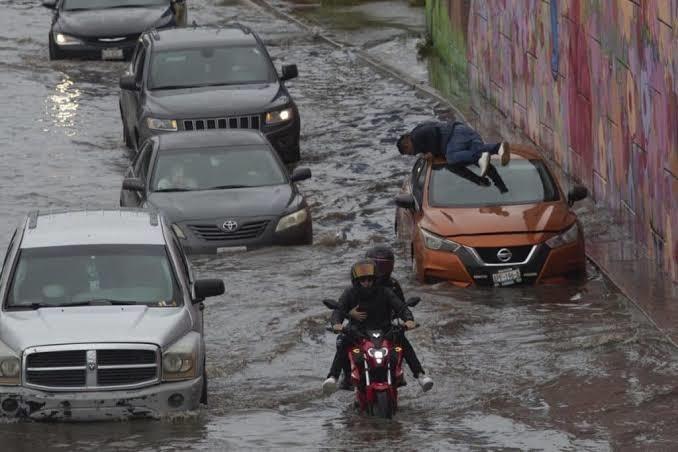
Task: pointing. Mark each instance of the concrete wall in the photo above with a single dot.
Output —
(608, 113)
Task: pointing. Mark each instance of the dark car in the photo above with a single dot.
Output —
(107, 29)
(220, 189)
(201, 78)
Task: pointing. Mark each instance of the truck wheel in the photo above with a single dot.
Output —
(203, 397)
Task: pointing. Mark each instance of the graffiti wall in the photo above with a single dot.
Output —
(594, 83)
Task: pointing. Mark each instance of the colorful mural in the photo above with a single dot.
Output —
(595, 84)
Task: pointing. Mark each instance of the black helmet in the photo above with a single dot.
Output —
(383, 258)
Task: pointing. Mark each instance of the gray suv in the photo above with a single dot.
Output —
(101, 316)
(202, 78)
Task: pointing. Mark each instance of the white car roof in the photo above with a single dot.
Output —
(93, 227)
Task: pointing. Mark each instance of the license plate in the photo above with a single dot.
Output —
(231, 249)
(507, 277)
(112, 54)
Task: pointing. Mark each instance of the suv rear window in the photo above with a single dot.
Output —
(210, 66)
(63, 275)
(526, 182)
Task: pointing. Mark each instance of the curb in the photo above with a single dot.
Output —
(431, 92)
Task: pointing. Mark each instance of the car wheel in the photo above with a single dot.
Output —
(54, 52)
(125, 132)
(203, 396)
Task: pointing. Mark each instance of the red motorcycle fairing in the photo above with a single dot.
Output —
(376, 370)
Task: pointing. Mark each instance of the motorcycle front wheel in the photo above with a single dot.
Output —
(383, 407)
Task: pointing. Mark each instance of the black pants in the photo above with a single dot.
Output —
(341, 361)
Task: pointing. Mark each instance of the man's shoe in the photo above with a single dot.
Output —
(330, 385)
(483, 163)
(425, 382)
(504, 153)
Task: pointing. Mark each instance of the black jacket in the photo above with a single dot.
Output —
(394, 285)
(431, 137)
(380, 308)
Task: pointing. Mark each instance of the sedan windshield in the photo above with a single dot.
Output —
(94, 274)
(216, 169)
(210, 66)
(520, 182)
(72, 5)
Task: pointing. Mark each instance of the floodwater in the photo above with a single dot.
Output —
(548, 368)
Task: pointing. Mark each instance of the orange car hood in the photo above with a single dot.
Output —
(545, 217)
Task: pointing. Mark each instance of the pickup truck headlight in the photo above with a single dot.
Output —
(276, 117)
(565, 238)
(66, 40)
(435, 242)
(10, 367)
(180, 361)
(291, 220)
(161, 124)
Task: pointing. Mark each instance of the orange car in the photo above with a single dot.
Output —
(513, 226)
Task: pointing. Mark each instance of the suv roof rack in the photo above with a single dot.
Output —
(34, 214)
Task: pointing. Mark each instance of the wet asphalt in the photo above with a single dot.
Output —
(545, 368)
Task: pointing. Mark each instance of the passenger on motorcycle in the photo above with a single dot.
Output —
(368, 306)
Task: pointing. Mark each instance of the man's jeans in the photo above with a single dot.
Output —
(465, 146)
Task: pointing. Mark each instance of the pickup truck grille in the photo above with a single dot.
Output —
(91, 367)
(233, 122)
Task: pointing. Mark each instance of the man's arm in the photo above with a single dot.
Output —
(397, 290)
(339, 314)
(398, 306)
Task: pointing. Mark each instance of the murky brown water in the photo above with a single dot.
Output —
(546, 368)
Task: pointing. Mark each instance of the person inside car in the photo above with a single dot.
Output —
(177, 179)
(368, 306)
(459, 143)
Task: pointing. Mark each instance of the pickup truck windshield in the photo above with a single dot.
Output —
(93, 274)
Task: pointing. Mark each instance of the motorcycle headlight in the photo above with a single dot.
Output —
(565, 238)
(66, 40)
(10, 367)
(161, 124)
(291, 220)
(279, 116)
(435, 242)
(179, 362)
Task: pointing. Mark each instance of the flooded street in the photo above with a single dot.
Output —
(548, 368)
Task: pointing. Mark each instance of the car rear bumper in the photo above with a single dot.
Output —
(465, 267)
(155, 401)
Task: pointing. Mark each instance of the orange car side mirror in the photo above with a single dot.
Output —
(406, 201)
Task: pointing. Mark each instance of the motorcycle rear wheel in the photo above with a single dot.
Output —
(383, 407)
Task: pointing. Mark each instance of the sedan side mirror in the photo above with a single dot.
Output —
(205, 288)
(300, 174)
(577, 193)
(51, 4)
(406, 201)
(129, 82)
(133, 184)
(289, 71)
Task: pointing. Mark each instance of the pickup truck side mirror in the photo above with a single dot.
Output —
(289, 71)
(205, 288)
(577, 193)
(128, 82)
(300, 174)
(405, 201)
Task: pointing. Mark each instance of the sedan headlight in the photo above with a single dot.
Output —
(161, 124)
(435, 242)
(179, 362)
(291, 220)
(569, 236)
(276, 117)
(10, 367)
(66, 40)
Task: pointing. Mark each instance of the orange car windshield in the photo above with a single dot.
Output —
(520, 182)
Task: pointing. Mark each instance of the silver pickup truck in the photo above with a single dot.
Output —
(101, 318)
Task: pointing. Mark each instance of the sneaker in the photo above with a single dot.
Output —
(504, 153)
(484, 162)
(425, 382)
(330, 385)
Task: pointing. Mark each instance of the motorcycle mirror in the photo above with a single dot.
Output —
(331, 304)
(413, 301)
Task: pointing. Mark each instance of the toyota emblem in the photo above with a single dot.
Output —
(230, 225)
(504, 255)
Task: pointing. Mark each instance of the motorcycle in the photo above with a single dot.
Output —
(376, 365)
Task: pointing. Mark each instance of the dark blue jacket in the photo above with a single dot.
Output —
(443, 138)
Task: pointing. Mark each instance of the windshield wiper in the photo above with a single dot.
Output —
(96, 302)
(169, 190)
(172, 87)
(226, 187)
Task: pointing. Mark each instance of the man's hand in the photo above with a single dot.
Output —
(410, 324)
(338, 327)
(357, 314)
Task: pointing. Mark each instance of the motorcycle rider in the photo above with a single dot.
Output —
(371, 307)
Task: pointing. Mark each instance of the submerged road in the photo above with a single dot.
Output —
(546, 368)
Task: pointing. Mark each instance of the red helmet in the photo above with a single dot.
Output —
(383, 258)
